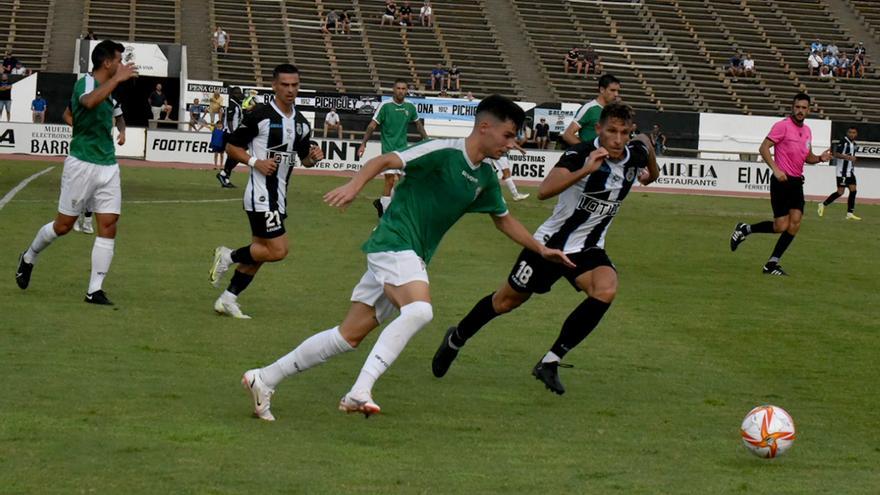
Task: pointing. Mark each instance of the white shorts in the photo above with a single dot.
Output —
(87, 185)
(393, 171)
(393, 268)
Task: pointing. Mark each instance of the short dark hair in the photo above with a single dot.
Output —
(607, 80)
(284, 69)
(800, 97)
(105, 50)
(847, 128)
(503, 109)
(616, 111)
(400, 80)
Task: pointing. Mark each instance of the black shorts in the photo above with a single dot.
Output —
(267, 224)
(532, 273)
(846, 181)
(785, 196)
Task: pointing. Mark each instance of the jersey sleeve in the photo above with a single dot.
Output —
(78, 92)
(639, 153)
(246, 132)
(117, 107)
(489, 201)
(303, 145)
(379, 116)
(580, 117)
(777, 132)
(575, 157)
(422, 157)
(415, 113)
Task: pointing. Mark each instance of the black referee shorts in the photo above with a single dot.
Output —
(786, 196)
(849, 180)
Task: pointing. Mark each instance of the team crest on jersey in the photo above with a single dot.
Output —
(630, 174)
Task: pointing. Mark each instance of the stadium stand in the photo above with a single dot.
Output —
(25, 26)
(153, 21)
(869, 12)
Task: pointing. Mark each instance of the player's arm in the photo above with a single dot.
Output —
(570, 135)
(814, 159)
(342, 196)
(120, 126)
(308, 151)
(367, 135)
(512, 228)
(768, 159)
(842, 156)
(94, 98)
(561, 177)
(420, 127)
(67, 117)
(653, 169)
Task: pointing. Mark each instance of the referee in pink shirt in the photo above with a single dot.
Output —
(790, 139)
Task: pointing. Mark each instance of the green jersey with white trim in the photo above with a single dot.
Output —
(587, 117)
(92, 139)
(394, 120)
(440, 185)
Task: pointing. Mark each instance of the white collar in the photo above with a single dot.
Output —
(292, 110)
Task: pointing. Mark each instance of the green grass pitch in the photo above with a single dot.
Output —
(145, 397)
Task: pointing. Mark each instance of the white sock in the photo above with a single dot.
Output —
(227, 296)
(311, 352)
(102, 255)
(391, 342)
(385, 200)
(44, 237)
(551, 357)
(511, 185)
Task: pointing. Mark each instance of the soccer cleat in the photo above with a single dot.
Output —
(77, 225)
(520, 197)
(23, 273)
(773, 269)
(549, 374)
(98, 297)
(353, 402)
(260, 392)
(224, 180)
(230, 308)
(222, 262)
(738, 236)
(821, 209)
(444, 356)
(852, 216)
(377, 203)
(87, 227)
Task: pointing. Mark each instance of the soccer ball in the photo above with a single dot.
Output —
(768, 431)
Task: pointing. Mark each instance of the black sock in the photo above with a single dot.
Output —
(482, 313)
(87, 214)
(782, 244)
(851, 202)
(579, 324)
(243, 255)
(831, 198)
(239, 282)
(765, 227)
(228, 166)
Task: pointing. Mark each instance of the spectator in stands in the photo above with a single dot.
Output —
(215, 107)
(454, 78)
(330, 22)
(469, 96)
(748, 65)
(411, 92)
(443, 93)
(390, 13)
(844, 65)
(825, 72)
(406, 18)
(426, 14)
(832, 49)
(858, 65)
(524, 133)
(591, 61)
(542, 134)
(814, 61)
(20, 70)
(221, 40)
(332, 122)
(734, 67)
(196, 119)
(167, 109)
(218, 145)
(5, 96)
(830, 61)
(658, 140)
(38, 107)
(90, 35)
(9, 62)
(571, 60)
(816, 46)
(345, 22)
(156, 100)
(438, 76)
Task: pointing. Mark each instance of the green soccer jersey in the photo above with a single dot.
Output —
(92, 139)
(394, 120)
(439, 186)
(587, 117)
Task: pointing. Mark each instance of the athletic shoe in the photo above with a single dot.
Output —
(773, 269)
(444, 356)
(77, 225)
(23, 273)
(520, 197)
(87, 225)
(852, 216)
(549, 374)
(98, 297)
(224, 180)
(821, 209)
(222, 262)
(230, 308)
(260, 392)
(738, 236)
(377, 203)
(353, 402)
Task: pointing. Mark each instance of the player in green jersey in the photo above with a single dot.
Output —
(444, 180)
(583, 127)
(393, 118)
(91, 174)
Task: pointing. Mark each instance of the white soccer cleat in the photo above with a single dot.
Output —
(260, 392)
(222, 262)
(229, 308)
(852, 216)
(77, 225)
(87, 227)
(821, 209)
(520, 197)
(359, 402)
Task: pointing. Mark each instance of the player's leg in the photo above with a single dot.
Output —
(511, 185)
(107, 206)
(382, 203)
(779, 205)
(841, 182)
(790, 225)
(224, 175)
(851, 201)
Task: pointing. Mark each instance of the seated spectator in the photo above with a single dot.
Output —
(345, 22)
(426, 14)
(406, 14)
(858, 65)
(748, 65)
(454, 78)
(90, 35)
(196, 119)
(734, 67)
(658, 139)
(591, 61)
(830, 61)
(215, 107)
(166, 111)
(438, 77)
(816, 46)
(9, 62)
(411, 92)
(524, 134)
(571, 60)
(814, 61)
(443, 93)
(330, 22)
(220, 40)
(832, 49)
(825, 72)
(469, 96)
(390, 13)
(859, 49)
(844, 65)
(38, 107)
(19, 70)
(542, 134)
(332, 122)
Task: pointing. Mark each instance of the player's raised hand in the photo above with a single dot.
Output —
(126, 72)
(342, 196)
(594, 161)
(556, 256)
(266, 167)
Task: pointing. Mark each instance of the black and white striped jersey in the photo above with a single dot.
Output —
(269, 134)
(585, 210)
(845, 167)
(233, 115)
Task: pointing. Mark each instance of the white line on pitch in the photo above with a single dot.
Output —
(20, 186)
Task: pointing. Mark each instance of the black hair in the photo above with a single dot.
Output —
(801, 96)
(607, 80)
(400, 80)
(284, 69)
(105, 50)
(616, 111)
(847, 128)
(503, 109)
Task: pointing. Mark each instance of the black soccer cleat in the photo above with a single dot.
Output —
(98, 297)
(738, 236)
(224, 180)
(549, 374)
(377, 203)
(773, 269)
(23, 273)
(444, 356)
